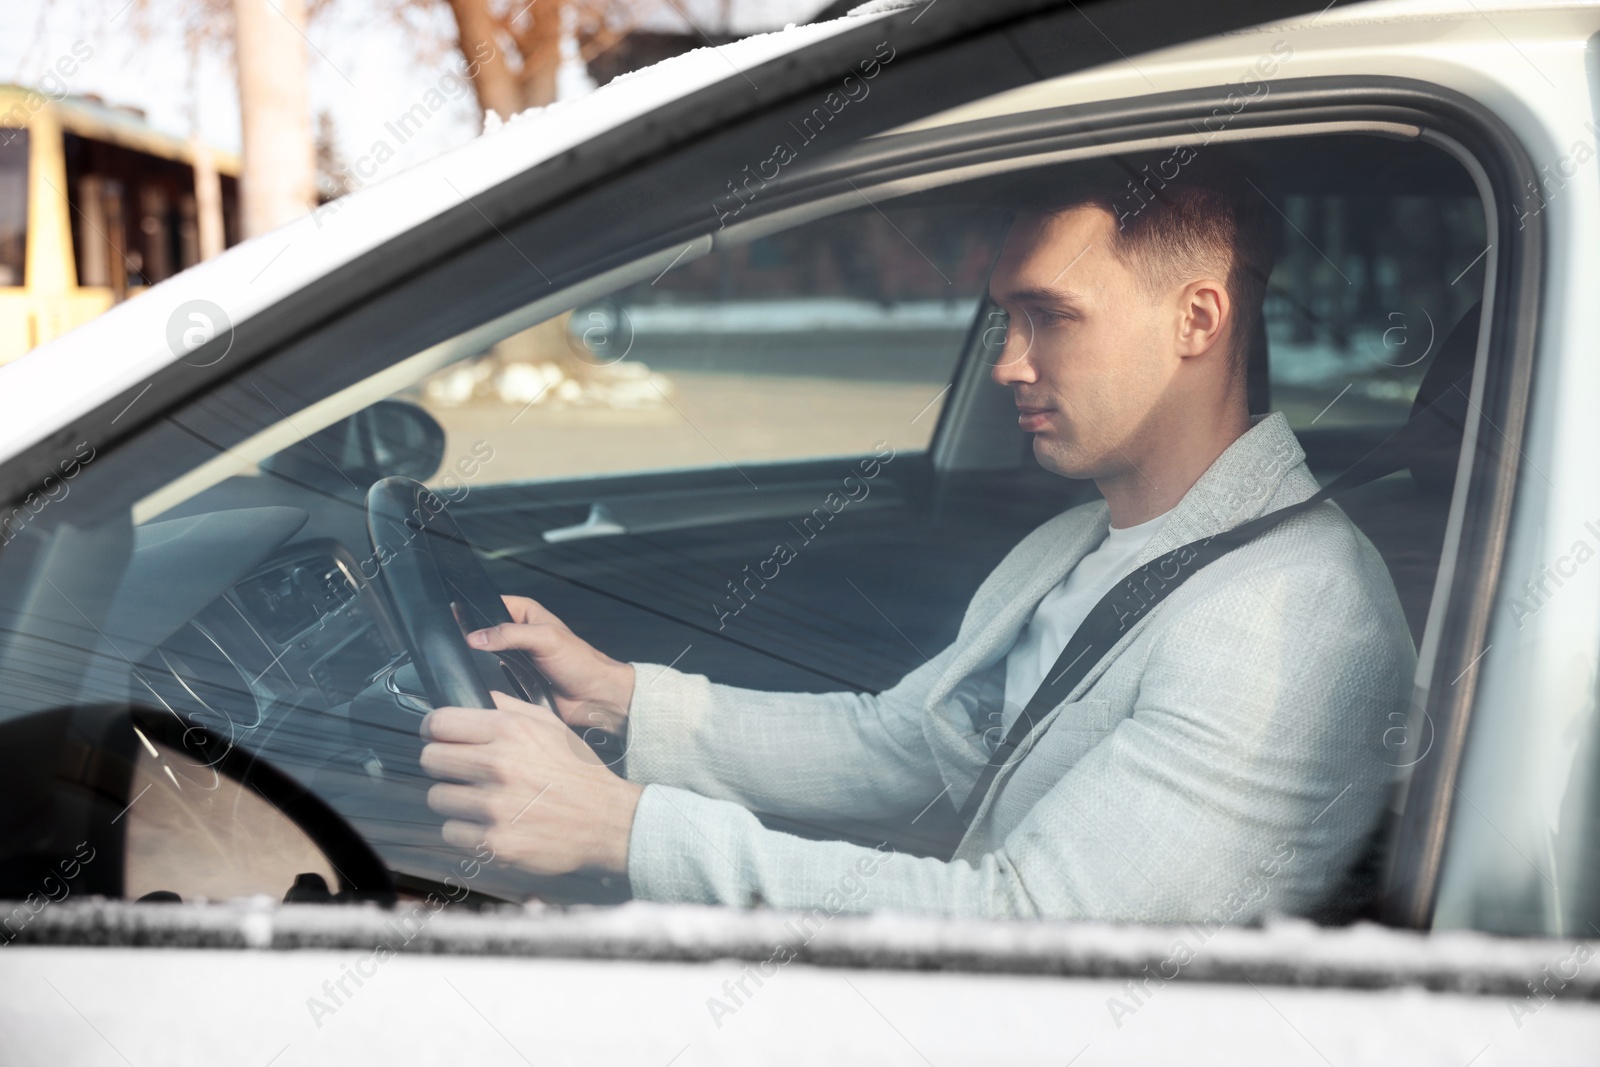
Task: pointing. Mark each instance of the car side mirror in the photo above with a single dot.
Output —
(388, 438)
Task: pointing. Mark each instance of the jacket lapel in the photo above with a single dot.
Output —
(1236, 488)
(949, 726)
(994, 637)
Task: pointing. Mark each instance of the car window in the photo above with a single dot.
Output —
(736, 461)
(780, 348)
(1358, 303)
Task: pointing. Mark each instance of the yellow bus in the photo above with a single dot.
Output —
(94, 206)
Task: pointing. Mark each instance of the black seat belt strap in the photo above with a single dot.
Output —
(1129, 601)
(1138, 594)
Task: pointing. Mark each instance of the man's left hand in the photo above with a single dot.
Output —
(531, 789)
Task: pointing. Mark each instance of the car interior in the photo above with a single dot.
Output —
(255, 602)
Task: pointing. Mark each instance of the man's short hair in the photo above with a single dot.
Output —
(1206, 219)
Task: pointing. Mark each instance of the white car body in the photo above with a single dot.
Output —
(1529, 63)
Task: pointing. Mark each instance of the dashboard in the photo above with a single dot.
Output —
(319, 615)
(271, 663)
(294, 657)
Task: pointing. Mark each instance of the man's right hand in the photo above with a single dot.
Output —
(591, 688)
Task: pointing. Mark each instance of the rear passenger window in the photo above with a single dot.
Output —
(1370, 278)
(1381, 262)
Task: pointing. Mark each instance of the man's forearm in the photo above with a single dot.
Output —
(613, 826)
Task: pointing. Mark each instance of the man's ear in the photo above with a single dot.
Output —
(1205, 313)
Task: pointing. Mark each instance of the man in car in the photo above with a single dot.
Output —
(1224, 759)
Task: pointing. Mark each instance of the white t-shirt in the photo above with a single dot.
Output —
(1064, 607)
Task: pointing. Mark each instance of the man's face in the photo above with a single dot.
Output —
(1089, 353)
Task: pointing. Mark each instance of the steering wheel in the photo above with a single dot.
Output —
(439, 593)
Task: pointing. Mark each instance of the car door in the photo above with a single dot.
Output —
(791, 477)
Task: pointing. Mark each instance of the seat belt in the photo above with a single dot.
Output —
(1138, 594)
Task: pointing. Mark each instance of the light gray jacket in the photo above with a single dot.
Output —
(1224, 760)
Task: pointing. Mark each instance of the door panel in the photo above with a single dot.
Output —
(856, 602)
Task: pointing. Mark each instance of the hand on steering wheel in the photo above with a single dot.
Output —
(591, 689)
(439, 591)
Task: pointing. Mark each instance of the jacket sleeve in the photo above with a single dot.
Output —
(1247, 776)
(803, 755)
(807, 755)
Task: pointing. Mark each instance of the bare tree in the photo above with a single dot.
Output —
(265, 40)
(514, 47)
(279, 179)
(333, 171)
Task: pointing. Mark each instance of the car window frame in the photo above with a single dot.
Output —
(1483, 502)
